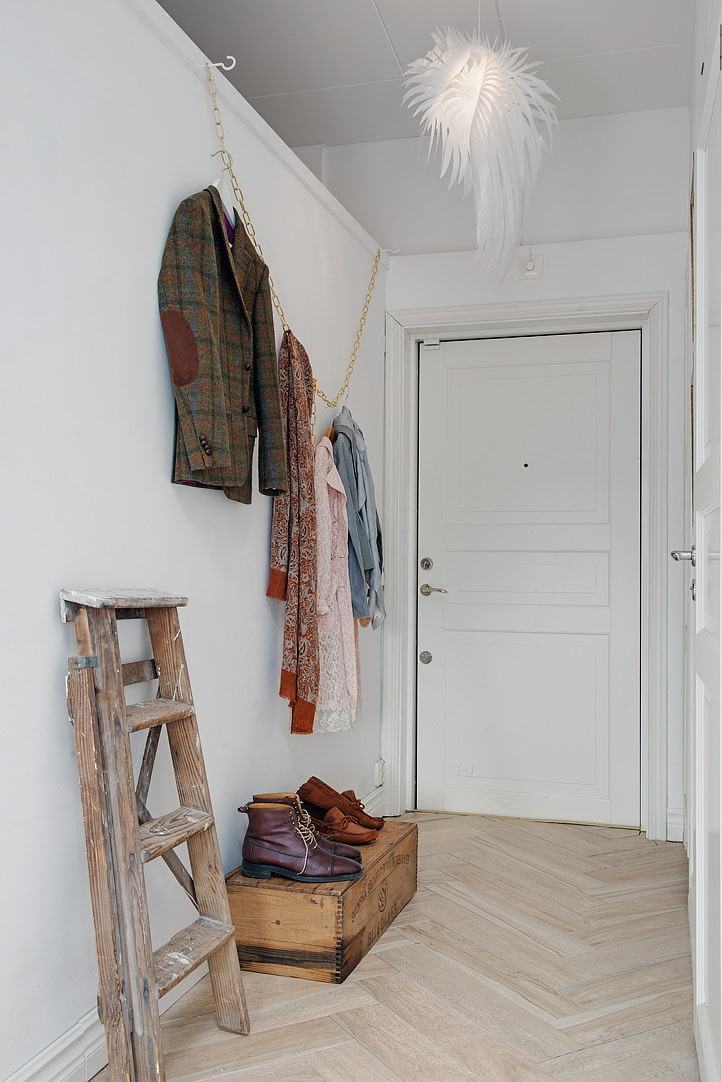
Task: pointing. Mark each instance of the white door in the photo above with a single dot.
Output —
(528, 675)
(704, 809)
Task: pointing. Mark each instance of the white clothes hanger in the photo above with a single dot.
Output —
(225, 190)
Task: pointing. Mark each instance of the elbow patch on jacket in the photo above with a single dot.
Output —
(182, 348)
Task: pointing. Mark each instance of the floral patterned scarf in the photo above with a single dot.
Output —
(293, 540)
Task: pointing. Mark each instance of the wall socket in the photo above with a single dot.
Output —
(532, 266)
(379, 772)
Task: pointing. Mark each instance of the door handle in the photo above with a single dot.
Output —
(426, 590)
(681, 554)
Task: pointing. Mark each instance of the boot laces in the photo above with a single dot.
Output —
(307, 828)
(305, 836)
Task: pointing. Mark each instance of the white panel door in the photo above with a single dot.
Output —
(705, 742)
(528, 675)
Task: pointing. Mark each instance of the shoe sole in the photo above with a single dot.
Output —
(265, 871)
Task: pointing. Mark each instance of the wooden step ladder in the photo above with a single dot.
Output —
(121, 836)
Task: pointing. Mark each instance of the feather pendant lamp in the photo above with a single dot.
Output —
(491, 116)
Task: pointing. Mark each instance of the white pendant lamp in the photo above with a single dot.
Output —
(491, 116)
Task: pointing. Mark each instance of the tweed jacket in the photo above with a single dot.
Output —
(215, 306)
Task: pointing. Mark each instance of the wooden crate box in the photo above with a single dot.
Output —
(321, 931)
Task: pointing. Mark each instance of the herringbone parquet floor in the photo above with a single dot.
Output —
(531, 951)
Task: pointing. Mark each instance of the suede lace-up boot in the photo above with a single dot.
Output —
(317, 792)
(277, 843)
(334, 824)
(331, 846)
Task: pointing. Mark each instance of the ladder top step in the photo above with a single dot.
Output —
(122, 598)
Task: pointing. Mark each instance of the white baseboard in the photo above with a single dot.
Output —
(709, 1069)
(675, 824)
(75, 1056)
(81, 1051)
(374, 802)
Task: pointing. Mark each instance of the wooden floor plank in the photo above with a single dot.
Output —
(463, 1046)
(335, 1065)
(662, 1055)
(400, 1046)
(531, 951)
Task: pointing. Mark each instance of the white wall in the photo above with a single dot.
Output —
(608, 176)
(705, 66)
(107, 126)
(589, 268)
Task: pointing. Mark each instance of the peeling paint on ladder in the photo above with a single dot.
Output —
(177, 957)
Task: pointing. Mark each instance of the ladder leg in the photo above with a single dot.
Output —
(123, 830)
(81, 700)
(193, 791)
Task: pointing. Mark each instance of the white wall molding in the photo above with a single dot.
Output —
(405, 329)
(675, 824)
(79, 1053)
(398, 701)
(708, 1069)
(374, 802)
(75, 1056)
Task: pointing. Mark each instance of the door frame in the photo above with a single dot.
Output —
(405, 329)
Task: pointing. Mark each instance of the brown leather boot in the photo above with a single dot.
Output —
(317, 792)
(277, 843)
(334, 824)
(337, 847)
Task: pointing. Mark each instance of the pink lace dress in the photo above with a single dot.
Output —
(338, 684)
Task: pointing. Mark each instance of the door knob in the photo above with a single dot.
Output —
(681, 554)
(426, 590)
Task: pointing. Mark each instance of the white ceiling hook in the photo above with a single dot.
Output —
(226, 67)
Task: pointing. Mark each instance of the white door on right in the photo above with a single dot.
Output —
(529, 513)
(705, 811)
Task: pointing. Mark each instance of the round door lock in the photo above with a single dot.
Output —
(427, 563)
(424, 657)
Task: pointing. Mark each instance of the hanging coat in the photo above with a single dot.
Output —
(215, 306)
(364, 529)
(338, 682)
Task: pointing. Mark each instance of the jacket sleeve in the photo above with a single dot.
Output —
(188, 278)
(272, 468)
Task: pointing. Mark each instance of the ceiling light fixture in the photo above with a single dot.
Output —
(491, 116)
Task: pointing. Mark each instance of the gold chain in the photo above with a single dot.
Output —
(226, 159)
(357, 341)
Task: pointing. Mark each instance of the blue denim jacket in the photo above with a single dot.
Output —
(365, 548)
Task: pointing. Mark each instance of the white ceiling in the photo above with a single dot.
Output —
(331, 71)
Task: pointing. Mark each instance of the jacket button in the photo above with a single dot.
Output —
(246, 409)
(248, 366)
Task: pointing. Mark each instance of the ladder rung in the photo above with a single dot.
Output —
(139, 672)
(157, 836)
(187, 949)
(156, 712)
